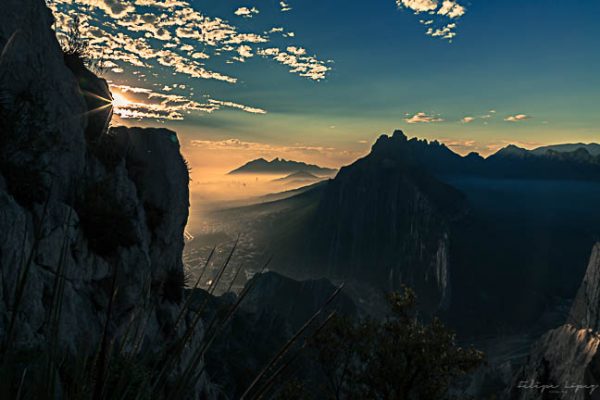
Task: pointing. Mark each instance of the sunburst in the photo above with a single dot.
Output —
(119, 101)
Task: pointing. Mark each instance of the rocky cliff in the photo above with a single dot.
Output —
(565, 362)
(91, 220)
(385, 220)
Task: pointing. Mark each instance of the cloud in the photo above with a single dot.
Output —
(442, 16)
(252, 110)
(299, 63)
(137, 103)
(175, 37)
(246, 12)
(293, 151)
(467, 120)
(445, 32)
(517, 118)
(284, 6)
(421, 117)
(418, 6)
(113, 8)
(237, 144)
(451, 9)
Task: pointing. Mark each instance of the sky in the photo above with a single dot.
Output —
(319, 80)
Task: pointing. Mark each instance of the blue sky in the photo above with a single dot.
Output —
(524, 72)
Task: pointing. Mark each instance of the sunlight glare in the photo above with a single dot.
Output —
(120, 101)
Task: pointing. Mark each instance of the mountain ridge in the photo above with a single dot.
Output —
(280, 166)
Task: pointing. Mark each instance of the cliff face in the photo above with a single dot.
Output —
(99, 214)
(566, 359)
(585, 312)
(387, 221)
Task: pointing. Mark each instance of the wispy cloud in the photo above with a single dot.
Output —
(517, 118)
(142, 103)
(423, 118)
(293, 151)
(175, 37)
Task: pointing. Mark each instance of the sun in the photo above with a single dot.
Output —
(120, 101)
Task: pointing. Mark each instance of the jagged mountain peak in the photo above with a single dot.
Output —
(280, 166)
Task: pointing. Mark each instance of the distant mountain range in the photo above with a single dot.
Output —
(510, 162)
(592, 148)
(281, 167)
(298, 179)
(461, 230)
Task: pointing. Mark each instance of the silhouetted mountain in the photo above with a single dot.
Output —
(510, 162)
(592, 148)
(414, 212)
(271, 197)
(384, 221)
(298, 176)
(280, 166)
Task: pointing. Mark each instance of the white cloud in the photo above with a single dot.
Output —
(517, 118)
(441, 16)
(285, 7)
(451, 9)
(418, 6)
(446, 32)
(230, 104)
(303, 65)
(173, 37)
(246, 12)
(422, 117)
(245, 51)
(467, 120)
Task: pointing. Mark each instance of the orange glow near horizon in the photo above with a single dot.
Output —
(120, 101)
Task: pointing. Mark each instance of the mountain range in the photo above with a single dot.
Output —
(592, 148)
(281, 167)
(459, 229)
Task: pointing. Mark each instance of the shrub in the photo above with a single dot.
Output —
(398, 358)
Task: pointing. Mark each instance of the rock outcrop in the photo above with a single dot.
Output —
(273, 310)
(91, 221)
(585, 312)
(565, 362)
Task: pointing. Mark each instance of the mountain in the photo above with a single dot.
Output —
(592, 148)
(510, 162)
(298, 176)
(281, 167)
(461, 230)
(275, 308)
(272, 197)
(383, 221)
